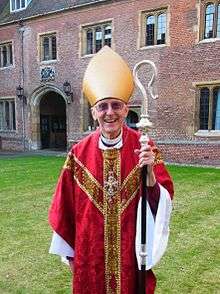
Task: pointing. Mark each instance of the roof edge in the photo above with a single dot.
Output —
(52, 12)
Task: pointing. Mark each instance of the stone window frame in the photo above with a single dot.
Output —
(216, 22)
(93, 26)
(207, 132)
(142, 27)
(9, 54)
(41, 37)
(7, 117)
(22, 5)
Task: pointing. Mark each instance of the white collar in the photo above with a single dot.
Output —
(105, 143)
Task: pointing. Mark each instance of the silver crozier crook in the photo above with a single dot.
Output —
(144, 126)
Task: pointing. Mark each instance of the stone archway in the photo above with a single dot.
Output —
(49, 118)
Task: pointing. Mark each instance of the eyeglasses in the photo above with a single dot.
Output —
(104, 106)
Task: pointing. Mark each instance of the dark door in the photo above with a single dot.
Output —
(45, 131)
(58, 131)
(53, 121)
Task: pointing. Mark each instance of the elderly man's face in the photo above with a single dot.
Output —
(110, 114)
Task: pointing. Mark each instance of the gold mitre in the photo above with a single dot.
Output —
(107, 75)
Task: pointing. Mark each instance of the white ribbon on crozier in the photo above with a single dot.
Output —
(157, 230)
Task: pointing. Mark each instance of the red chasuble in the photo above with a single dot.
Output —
(94, 210)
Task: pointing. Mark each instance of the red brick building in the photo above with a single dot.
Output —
(45, 47)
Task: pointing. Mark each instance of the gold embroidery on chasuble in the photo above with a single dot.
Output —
(112, 226)
(88, 183)
(158, 156)
(117, 197)
(111, 198)
(69, 162)
(130, 187)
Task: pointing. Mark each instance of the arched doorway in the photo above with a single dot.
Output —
(53, 121)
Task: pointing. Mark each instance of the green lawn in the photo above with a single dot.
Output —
(191, 264)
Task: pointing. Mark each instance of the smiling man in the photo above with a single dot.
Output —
(94, 208)
(110, 114)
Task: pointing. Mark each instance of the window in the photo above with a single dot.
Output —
(7, 115)
(209, 108)
(211, 19)
(48, 47)
(6, 54)
(154, 27)
(95, 37)
(19, 4)
(132, 119)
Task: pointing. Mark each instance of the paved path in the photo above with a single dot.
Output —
(4, 154)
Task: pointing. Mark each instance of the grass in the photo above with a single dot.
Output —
(191, 263)
(26, 186)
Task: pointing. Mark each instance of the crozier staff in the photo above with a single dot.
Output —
(144, 125)
(94, 208)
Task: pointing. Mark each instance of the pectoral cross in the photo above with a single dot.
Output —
(111, 185)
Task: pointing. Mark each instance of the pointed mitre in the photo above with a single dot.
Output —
(107, 75)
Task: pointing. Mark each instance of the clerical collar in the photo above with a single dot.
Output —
(105, 143)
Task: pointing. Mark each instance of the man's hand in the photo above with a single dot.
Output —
(146, 157)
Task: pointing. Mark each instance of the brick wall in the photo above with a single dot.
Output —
(202, 154)
(181, 63)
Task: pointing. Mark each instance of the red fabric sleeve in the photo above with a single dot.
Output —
(163, 178)
(61, 212)
(154, 196)
(150, 282)
(160, 171)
